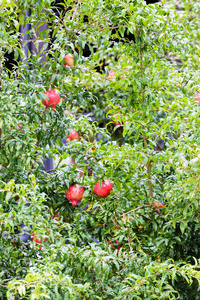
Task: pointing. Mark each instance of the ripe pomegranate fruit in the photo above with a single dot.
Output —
(158, 204)
(53, 98)
(74, 194)
(73, 135)
(104, 189)
(69, 60)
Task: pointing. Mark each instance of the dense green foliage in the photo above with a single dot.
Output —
(153, 155)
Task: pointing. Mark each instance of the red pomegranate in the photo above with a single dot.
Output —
(158, 204)
(69, 60)
(53, 98)
(74, 194)
(103, 190)
(73, 135)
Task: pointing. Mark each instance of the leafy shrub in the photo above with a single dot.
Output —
(138, 128)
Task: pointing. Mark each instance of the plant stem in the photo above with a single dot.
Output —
(137, 208)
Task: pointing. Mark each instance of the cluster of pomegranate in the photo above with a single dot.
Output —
(53, 98)
(75, 193)
(101, 189)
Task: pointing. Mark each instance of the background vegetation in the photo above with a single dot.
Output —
(122, 246)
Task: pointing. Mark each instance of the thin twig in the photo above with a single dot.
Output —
(94, 21)
(137, 208)
(75, 11)
(51, 170)
(119, 273)
(3, 54)
(93, 73)
(161, 184)
(125, 7)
